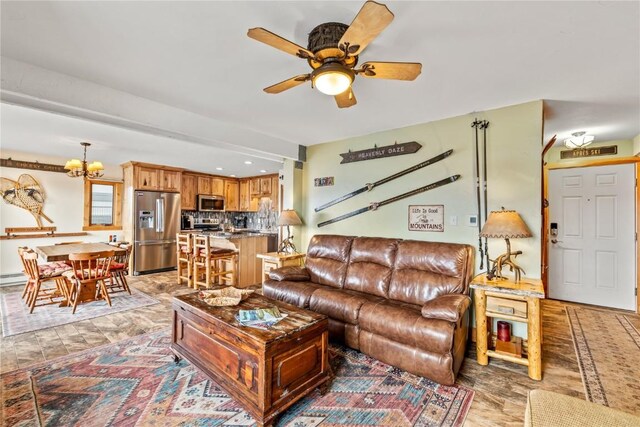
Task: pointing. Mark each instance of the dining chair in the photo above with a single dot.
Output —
(184, 252)
(45, 282)
(118, 271)
(88, 276)
(213, 264)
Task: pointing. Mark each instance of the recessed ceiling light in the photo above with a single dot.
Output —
(248, 162)
(218, 169)
(263, 171)
(232, 176)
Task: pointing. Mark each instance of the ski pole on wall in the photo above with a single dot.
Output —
(476, 124)
(484, 125)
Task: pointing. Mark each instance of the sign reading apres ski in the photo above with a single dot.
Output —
(426, 218)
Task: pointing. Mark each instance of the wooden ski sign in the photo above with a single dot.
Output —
(369, 187)
(376, 205)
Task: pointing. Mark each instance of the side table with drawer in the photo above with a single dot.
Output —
(273, 260)
(518, 302)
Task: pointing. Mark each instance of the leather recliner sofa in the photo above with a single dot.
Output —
(403, 302)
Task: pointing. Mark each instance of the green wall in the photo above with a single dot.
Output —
(514, 146)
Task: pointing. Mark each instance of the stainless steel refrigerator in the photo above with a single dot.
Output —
(156, 222)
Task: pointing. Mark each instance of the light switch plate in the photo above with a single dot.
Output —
(453, 220)
(472, 220)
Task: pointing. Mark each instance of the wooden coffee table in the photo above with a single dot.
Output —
(266, 371)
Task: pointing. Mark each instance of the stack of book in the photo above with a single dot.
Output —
(260, 318)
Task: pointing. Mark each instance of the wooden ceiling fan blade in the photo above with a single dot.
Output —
(287, 84)
(391, 70)
(346, 99)
(372, 19)
(274, 40)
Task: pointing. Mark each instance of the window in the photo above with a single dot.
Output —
(102, 205)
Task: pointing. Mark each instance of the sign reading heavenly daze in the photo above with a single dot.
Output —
(589, 152)
(380, 152)
(10, 163)
(426, 217)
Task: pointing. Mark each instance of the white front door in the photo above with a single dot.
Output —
(593, 259)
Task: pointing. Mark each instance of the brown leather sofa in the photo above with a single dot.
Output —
(403, 302)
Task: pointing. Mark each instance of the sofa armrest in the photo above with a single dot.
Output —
(450, 307)
(291, 274)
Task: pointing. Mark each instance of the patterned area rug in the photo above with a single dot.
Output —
(608, 349)
(17, 320)
(136, 382)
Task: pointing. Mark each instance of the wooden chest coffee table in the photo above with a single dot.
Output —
(266, 371)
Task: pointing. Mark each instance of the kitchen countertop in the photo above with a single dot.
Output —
(238, 234)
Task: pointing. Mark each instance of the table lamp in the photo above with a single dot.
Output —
(288, 217)
(505, 225)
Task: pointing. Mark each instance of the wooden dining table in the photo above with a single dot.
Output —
(61, 252)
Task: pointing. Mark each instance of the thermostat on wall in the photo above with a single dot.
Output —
(472, 220)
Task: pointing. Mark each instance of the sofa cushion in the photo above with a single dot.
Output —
(370, 265)
(296, 293)
(327, 258)
(405, 324)
(340, 304)
(290, 273)
(450, 307)
(426, 270)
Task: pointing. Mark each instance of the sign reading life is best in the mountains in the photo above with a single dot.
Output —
(380, 152)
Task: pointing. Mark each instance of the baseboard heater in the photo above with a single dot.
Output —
(11, 279)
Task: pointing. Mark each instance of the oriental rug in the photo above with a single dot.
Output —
(17, 320)
(607, 345)
(137, 382)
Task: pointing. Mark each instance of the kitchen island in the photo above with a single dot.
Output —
(249, 243)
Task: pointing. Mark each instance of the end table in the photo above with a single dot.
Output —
(273, 260)
(519, 302)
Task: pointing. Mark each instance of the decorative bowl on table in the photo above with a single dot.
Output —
(225, 297)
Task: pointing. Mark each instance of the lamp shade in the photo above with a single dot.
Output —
(505, 225)
(289, 217)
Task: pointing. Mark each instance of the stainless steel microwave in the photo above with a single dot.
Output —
(210, 203)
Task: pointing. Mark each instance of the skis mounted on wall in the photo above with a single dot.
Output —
(374, 206)
(369, 187)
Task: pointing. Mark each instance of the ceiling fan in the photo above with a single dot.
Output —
(333, 50)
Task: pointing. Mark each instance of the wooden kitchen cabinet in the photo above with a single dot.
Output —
(231, 195)
(146, 178)
(265, 186)
(189, 189)
(245, 197)
(254, 187)
(170, 180)
(204, 185)
(217, 186)
(275, 190)
(249, 265)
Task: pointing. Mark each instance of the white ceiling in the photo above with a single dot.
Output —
(26, 129)
(583, 57)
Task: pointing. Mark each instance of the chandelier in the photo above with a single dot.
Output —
(578, 140)
(79, 168)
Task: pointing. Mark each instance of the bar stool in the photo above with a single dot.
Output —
(39, 286)
(118, 272)
(184, 252)
(89, 273)
(220, 263)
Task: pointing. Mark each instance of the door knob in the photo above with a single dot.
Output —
(554, 241)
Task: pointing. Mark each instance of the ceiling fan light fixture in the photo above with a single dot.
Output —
(332, 79)
(578, 140)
